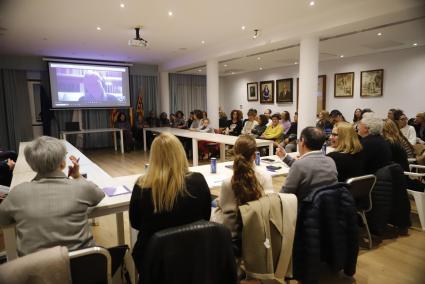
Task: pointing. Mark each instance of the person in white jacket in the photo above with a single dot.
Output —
(408, 131)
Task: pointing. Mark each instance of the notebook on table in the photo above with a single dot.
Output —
(116, 190)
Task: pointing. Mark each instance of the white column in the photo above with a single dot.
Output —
(309, 69)
(165, 92)
(212, 92)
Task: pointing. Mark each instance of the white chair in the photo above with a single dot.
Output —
(361, 188)
(418, 196)
(90, 266)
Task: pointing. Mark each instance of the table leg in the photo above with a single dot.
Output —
(64, 136)
(10, 243)
(144, 140)
(120, 228)
(271, 149)
(195, 151)
(222, 152)
(122, 141)
(115, 140)
(131, 268)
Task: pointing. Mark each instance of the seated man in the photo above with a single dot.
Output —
(52, 209)
(313, 169)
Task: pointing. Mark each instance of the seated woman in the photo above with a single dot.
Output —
(168, 195)
(179, 122)
(123, 123)
(246, 184)
(259, 129)
(274, 131)
(286, 122)
(358, 115)
(163, 120)
(348, 154)
(324, 122)
(250, 123)
(203, 145)
(51, 209)
(234, 125)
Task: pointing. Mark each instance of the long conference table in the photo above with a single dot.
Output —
(196, 136)
(120, 203)
(101, 130)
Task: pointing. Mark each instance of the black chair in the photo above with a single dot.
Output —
(90, 266)
(200, 252)
(361, 188)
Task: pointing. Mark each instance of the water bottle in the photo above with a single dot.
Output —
(213, 165)
(257, 158)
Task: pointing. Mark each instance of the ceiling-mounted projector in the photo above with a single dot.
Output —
(138, 41)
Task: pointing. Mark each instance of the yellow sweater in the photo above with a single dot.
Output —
(273, 133)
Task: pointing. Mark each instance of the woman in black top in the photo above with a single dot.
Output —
(168, 195)
(234, 125)
(348, 154)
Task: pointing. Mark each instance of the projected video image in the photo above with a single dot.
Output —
(88, 85)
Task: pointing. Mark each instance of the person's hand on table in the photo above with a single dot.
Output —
(74, 170)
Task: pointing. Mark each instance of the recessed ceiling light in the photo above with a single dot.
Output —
(341, 56)
(170, 13)
(199, 70)
(258, 58)
(415, 44)
(379, 34)
(99, 28)
(312, 3)
(122, 5)
(225, 65)
(243, 27)
(261, 68)
(203, 42)
(296, 62)
(233, 73)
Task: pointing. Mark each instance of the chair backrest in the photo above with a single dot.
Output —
(199, 252)
(90, 266)
(361, 188)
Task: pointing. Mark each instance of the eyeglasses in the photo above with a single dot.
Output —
(334, 134)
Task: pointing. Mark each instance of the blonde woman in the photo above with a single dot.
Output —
(348, 155)
(168, 195)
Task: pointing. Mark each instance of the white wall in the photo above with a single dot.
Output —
(404, 84)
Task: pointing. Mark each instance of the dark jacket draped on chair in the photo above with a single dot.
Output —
(327, 230)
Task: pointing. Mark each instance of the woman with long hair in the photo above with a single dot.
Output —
(246, 184)
(286, 121)
(324, 120)
(348, 156)
(234, 125)
(358, 115)
(167, 195)
(400, 146)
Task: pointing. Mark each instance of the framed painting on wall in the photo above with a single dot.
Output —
(284, 91)
(252, 91)
(267, 92)
(321, 93)
(344, 85)
(372, 83)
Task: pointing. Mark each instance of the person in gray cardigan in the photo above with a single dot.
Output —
(313, 169)
(52, 209)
